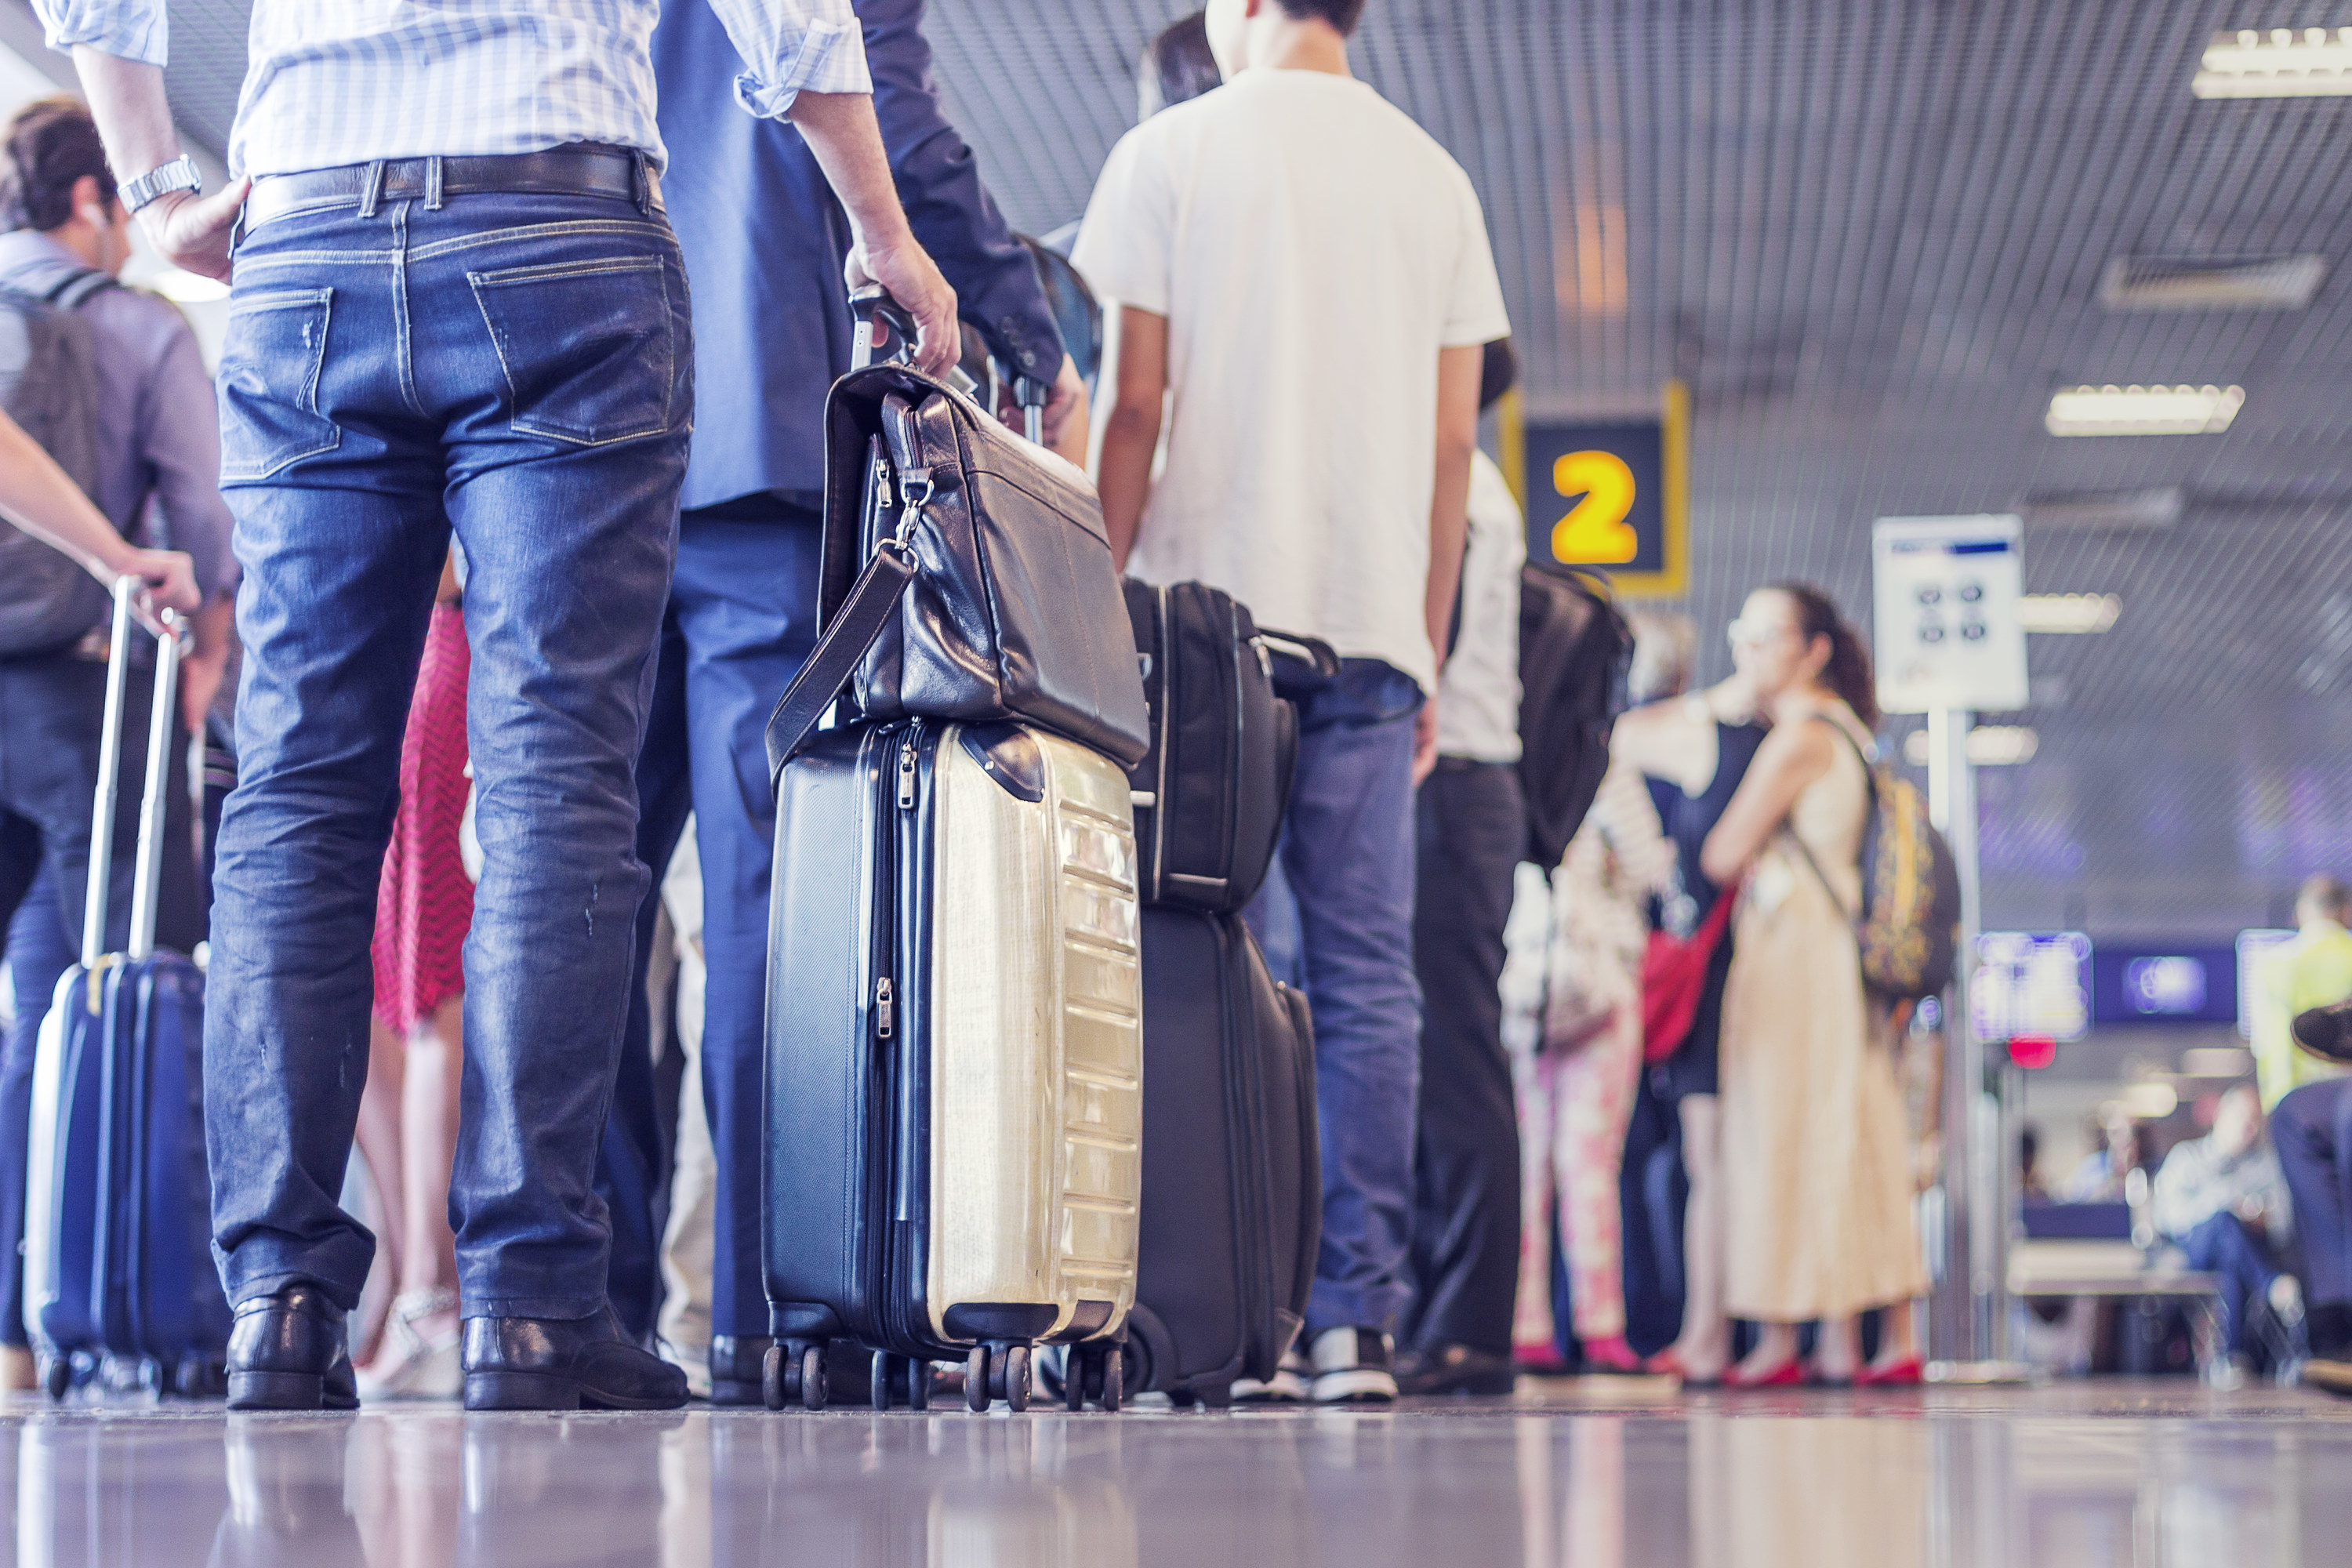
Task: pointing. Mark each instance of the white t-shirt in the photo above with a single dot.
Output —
(1313, 250)
(1478, 695)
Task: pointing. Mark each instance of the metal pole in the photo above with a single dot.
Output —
(1976, 1312)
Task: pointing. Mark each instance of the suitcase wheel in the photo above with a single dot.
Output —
(975, 1380)
(901, 1380)
(1008, 1376)
(793, 1373)
(1105, 1377)
(918, 1384)
(57, 1377)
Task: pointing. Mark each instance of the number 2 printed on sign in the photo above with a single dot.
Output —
(1594, 532)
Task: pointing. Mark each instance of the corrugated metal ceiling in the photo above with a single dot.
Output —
(1871, 235)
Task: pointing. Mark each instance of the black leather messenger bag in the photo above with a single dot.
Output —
(966, 574)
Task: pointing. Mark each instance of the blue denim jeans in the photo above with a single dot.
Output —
(742, 617)
(1347, 862)
(2310, 1127)
(520, 370)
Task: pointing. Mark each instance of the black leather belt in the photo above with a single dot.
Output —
(579, 170)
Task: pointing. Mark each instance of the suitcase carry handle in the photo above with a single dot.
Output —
(1312, 651)
(110, 765)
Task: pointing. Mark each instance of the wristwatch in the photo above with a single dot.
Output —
(180, 175)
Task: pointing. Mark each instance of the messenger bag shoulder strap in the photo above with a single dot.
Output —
(857, 626)
(68, 292)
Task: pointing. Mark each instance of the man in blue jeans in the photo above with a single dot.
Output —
(1302, 276)
(457, 307)
(2312, 1129)
(763, 248)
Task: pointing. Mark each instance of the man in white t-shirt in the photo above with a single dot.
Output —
(1303, 283)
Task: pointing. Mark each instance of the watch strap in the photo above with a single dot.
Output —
(180, 175)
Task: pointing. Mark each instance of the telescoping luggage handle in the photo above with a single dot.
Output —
(110, 763)
(885, 332)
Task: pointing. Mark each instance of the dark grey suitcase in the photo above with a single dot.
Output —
(1233, 1187)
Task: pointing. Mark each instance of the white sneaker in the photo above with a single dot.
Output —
(1352, 1366)
(407, 1365)
(1288, 1385)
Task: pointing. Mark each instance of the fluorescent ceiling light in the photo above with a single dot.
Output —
(2216, 1061)
(2151, 1100)
(188, 287)
(2078, 613)
(2143, 410)
(1990, 746)
(2157, 506)
(2166, 284)
(2282, 62)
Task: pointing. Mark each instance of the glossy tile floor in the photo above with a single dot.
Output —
(1594, 1475)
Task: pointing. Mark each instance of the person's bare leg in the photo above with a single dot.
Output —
(1837, 1349)
(1775, 1346)
(428, 1145)
(378, 1136)
(1898, 1336)
(1703, 1346)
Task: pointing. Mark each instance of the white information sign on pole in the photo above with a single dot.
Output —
(1948, 629)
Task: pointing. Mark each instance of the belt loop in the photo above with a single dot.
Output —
(641, 180)
(371, 188)
(433, 183)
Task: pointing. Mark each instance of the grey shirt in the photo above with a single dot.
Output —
(159, 424)
(2197, 1182)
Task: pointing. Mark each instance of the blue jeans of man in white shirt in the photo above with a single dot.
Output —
(519, 369)
(1347, 862)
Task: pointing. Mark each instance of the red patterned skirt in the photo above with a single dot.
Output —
(425, 904)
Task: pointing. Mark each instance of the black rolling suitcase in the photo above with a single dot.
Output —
(1231, 1191)
(1233, 1188)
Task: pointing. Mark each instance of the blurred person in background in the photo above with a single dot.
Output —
(2315, 969)
(1470, 830)
(113, 378)
(1693, 750)
(2311, 1127)
(1815, 1144)
(1579, 1094)
(407, 1128)
(2118, 1149)
(764, 240)
(1178, 66)
(2222, 1200)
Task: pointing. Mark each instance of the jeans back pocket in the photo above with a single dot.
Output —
(588, 347)
(270, 362)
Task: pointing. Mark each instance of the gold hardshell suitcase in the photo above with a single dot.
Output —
(954, 1093)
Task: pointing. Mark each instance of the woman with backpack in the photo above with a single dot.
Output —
(1819, 1224)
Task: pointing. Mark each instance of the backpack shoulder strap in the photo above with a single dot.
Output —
(70, 291)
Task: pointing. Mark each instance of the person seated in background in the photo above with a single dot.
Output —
(2315, 969)
(2223, 1202)
(1305, 287)
(2099, 1179)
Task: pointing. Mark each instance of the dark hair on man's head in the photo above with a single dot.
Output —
(1848, 671)
(50, 143)
(1498, 372)
(1341, 13)
(2326, 894)
(1178, 66)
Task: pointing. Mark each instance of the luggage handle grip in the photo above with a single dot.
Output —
(127, 590)
(879, 317)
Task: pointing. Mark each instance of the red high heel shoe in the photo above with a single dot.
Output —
(1789, 1374)
(1610, 1355)
(1908, 1372)
(1667, 1363)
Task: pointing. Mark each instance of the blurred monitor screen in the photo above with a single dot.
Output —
(2032, 984)
(2187, 983)
(2254, 950)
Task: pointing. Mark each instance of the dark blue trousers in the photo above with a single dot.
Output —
(2225, 1247)
(2312, 1129)
(742, 617)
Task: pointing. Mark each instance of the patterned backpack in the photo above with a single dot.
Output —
(1908, 929)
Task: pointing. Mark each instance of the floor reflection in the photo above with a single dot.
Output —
(1940, 1484)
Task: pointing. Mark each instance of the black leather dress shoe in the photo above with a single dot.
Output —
(735, 1368)
(286, 1352)
(563, 1363)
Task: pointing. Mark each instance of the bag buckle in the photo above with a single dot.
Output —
(915, 488)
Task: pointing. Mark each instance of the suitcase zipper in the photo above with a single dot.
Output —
(885, 1008)
(906, 774)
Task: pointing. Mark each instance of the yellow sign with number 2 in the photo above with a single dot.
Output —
(1594, 531)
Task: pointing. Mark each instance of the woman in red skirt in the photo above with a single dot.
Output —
(408, 1115)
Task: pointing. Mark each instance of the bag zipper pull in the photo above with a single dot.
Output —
(886, 1009)
(907, 776)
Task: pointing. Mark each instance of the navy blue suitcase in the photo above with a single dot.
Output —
(118, 1222)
